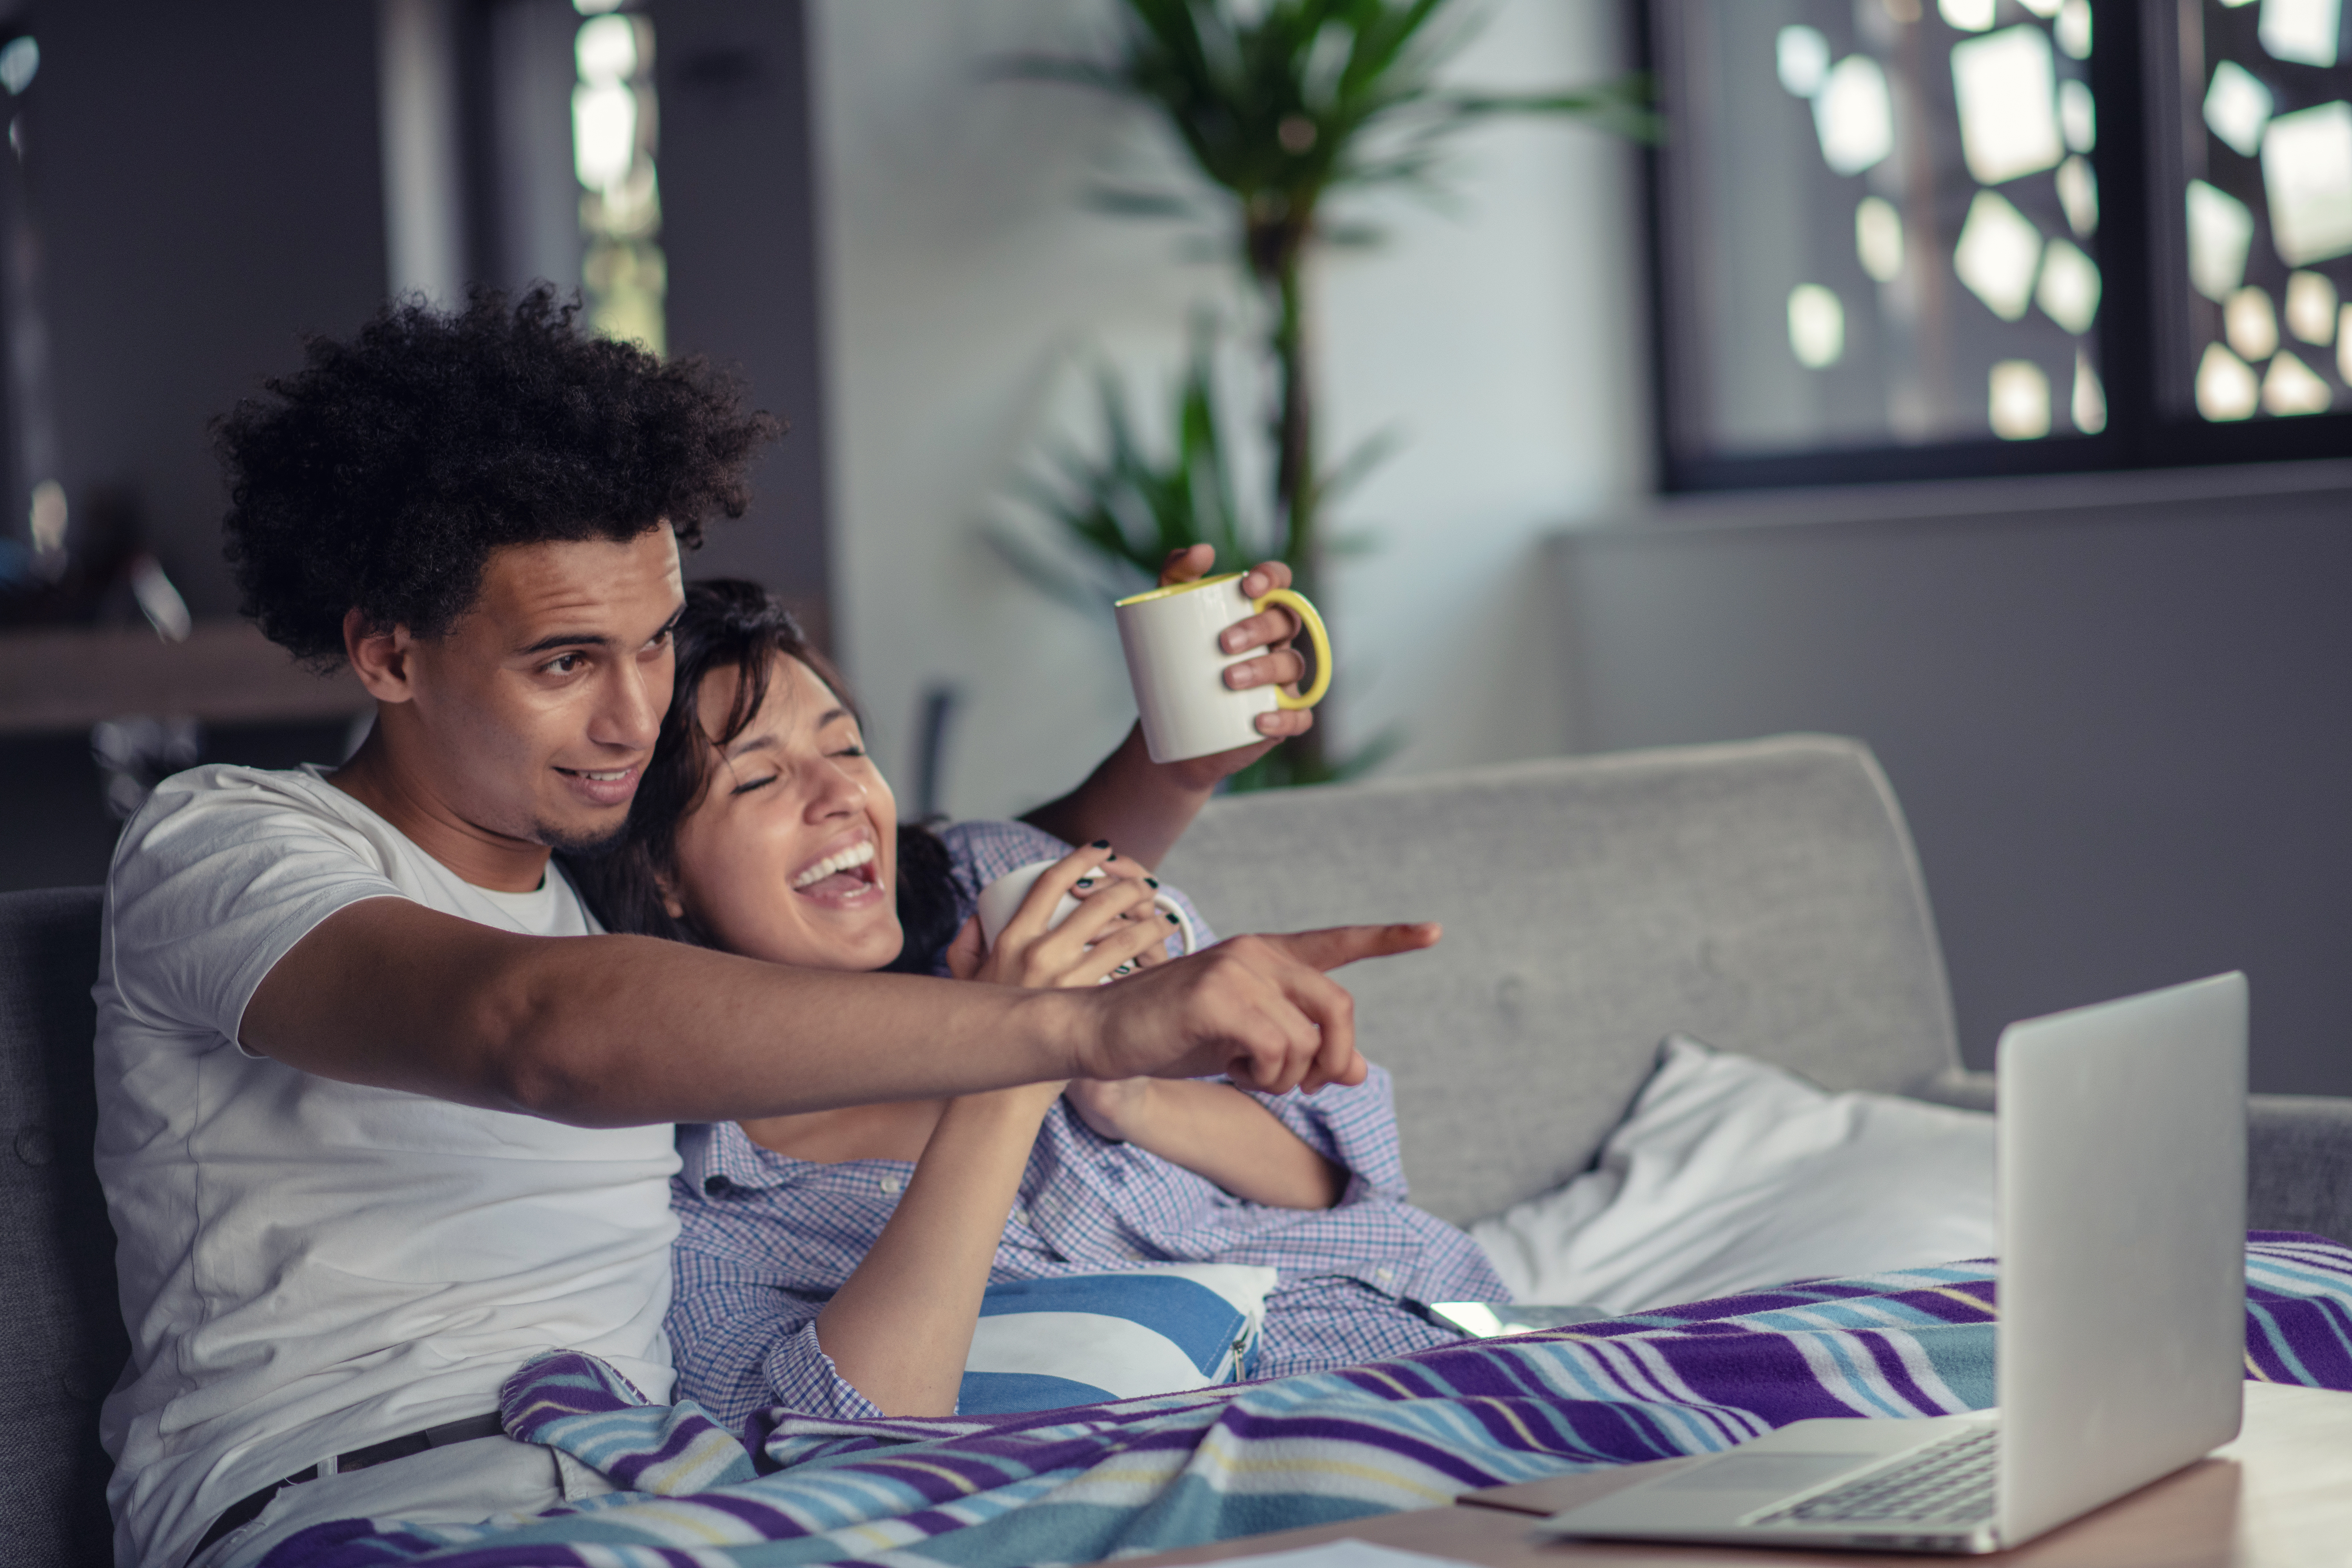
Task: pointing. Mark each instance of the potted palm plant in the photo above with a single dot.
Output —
(1279, 109)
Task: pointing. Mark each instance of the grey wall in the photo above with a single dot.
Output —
(2117, 712)
(738, 226)
(209, 187)
(206, 182)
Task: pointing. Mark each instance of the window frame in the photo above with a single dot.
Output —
(2142, 266)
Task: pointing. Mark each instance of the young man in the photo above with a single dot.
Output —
(371, 1137)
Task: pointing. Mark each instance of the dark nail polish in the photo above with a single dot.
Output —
(1151, 881)
(1099, 844)
(1173, 920)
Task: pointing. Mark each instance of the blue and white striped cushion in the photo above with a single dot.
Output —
(1085, 1338)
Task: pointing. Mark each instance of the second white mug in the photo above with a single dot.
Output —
(1002, 899)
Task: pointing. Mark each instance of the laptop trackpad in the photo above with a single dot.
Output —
(1781, 1473)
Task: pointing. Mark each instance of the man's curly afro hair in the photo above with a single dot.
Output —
(382, 474)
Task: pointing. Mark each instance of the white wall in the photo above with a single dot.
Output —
(965, 283)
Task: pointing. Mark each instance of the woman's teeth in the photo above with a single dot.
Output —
(854, 856)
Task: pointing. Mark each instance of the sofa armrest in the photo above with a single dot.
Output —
(2299, 1164)
(1958, 1086)
(2298, 1153)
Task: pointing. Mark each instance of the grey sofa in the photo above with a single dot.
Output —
(1763, 896)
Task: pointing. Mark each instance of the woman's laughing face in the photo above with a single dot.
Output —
(791, 854)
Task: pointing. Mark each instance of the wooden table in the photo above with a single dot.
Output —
(2278, 1497)
(69, 678)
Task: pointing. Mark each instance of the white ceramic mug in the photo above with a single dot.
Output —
(1178, 667)
(1002, 899)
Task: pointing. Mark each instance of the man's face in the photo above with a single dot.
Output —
(539, 708)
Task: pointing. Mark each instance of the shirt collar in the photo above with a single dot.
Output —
(720, 1152)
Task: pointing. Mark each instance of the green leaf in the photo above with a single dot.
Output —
(1350, 471)
(1286, 768)
(1126, 509)
(1047, 575)
(1281, 104)
(1119, 201)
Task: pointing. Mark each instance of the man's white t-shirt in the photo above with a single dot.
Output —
(310, 1266)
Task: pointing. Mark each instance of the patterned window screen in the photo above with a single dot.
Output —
(1885, 219)
(2264, 197)
(1912, 237)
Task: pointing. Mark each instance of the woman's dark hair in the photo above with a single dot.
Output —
(382, 474)
(729, 624)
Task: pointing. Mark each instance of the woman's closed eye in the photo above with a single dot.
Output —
(748, 785)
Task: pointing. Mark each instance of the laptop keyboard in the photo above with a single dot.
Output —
(1948, 1482)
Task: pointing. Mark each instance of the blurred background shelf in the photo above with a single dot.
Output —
(67, 678)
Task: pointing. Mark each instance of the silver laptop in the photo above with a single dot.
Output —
(2121, 1341)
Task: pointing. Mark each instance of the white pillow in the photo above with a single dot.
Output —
(1729, 1173)
(1081, 1339)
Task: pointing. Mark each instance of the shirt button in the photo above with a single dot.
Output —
(1386, 1276)
(891, 1184)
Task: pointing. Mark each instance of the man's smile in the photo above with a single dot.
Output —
(604, 787)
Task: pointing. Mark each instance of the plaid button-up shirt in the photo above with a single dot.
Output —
(765, 1240)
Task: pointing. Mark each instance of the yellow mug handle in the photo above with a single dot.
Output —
(1320, 639)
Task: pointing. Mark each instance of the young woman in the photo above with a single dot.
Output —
(833, 1262)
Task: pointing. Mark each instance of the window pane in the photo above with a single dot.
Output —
(2264, 202)
(1880, 223)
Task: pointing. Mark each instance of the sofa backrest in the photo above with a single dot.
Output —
(1763, 896)
(61, 1339)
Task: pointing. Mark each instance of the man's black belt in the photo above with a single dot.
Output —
(244, 1508)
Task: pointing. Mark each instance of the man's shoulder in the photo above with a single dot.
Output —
(229, 788)
(221, 806)
(220, 872)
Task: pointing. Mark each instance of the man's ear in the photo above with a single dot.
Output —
(382, 659)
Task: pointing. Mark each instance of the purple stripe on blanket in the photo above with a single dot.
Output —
(1235, 1460)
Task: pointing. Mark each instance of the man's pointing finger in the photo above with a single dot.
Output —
(1337, 945)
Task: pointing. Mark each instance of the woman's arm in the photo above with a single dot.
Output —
(1213, 1131)
(899, 1330)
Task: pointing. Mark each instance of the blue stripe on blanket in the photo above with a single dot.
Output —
(1147, 1474)
(1000, 1393)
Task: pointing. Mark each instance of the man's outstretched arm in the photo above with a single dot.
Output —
(622, 1030)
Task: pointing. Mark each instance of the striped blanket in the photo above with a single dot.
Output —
(1076, 1486)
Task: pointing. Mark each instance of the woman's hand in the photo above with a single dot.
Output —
(1144, 806)
(1279, 665)
(1115, 924)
